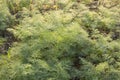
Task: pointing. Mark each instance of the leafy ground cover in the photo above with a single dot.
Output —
(60, 40)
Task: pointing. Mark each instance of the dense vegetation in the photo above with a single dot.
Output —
(60, 40)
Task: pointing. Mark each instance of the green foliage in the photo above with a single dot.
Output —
(3, 15)
(15, 6)
(67, 43)
(1, 40)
